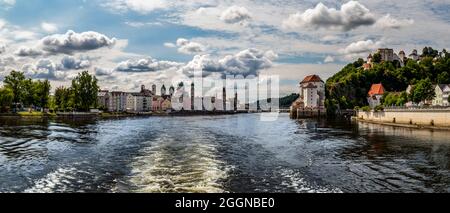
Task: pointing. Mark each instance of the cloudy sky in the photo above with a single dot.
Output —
(127, 43)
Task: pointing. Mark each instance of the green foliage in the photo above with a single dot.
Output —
(429, 52)
(365, 108)
(376, 58)
(6, 98)
(82, 95)
(443, 78)
(26, 91)
(378, 108)
(286, 102)
(15, 81)
(395, 99)
(85, 90)
(63, 99)
(422, 91)
(42, 93)
(349, 87)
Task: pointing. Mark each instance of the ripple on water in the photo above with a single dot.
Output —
(56, 181)
(295, 181)
(170, 165)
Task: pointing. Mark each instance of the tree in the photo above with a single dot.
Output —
(28, 97)
(63, 98)
(85, 91)
(14, 81)
(443, 78)
(42, 93)
(6, 98)
(429, 52)
(359, 62)
(422, 91)
(377, 58)
(354, 82)
(395, 99)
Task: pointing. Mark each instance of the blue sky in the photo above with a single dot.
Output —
(131, 42)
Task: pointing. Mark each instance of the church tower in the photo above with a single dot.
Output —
(163, 90)
(154, 89)
(171, 91)
(192, 96)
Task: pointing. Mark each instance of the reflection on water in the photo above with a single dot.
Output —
(219, 154)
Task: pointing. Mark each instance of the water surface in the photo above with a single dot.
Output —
(237, 153)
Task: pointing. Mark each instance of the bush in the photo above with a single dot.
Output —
(379, 108)
(366, 109)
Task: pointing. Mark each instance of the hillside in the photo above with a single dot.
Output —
(349, 87)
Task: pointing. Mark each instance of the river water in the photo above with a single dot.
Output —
(233, 153)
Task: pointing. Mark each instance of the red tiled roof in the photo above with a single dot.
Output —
(311, 78)
(377, 89)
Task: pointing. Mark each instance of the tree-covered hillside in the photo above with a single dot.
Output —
(349, 87)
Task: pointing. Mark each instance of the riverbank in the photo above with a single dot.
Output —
(116, 115)
(69, 115)
(419, 118)
(411, 126)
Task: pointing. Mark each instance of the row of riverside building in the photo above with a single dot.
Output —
(143, 101)
(149, 101)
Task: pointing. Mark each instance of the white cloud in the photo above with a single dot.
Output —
(6, 62)
(143, 24)
(360, 48)
(189, 47)
(102, 72)
(49, 27)
(247, 62)
(72, 63)
(44, 69)
(145, 65)
(350, 16)
(76, 42)
(329, 59)
(388, 22)
(2, 48)
(6, 4)
(2, 23)
(28, 52)
(140, 6)
(235, 14)
(170, 45)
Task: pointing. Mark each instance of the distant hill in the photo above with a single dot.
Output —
(349, 87)
(286, 102)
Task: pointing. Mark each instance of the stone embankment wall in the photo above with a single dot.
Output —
(423, 117)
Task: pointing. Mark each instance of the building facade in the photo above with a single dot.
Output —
(442, 94)
(387, 54)
(312, 93)
(117, 102)
(103, 97)
(375, 95)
